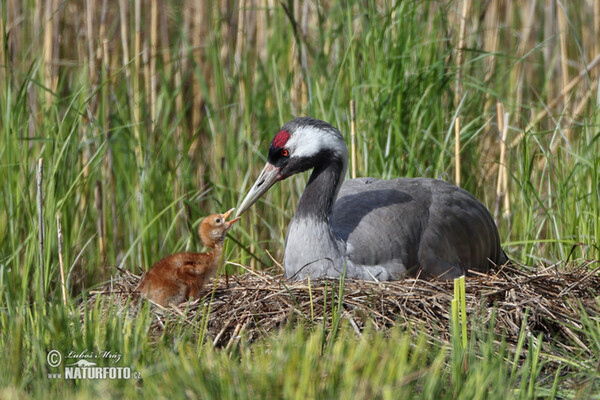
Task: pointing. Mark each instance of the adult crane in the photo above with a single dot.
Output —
(368, 228)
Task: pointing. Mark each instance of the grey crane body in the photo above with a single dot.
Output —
(368, 228)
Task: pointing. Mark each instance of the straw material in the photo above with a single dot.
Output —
(256, 304)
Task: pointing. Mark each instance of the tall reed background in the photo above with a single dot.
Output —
(148, 115)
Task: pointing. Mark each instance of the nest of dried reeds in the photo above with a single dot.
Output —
(549, 300)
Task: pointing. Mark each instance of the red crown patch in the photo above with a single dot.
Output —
(281, 139)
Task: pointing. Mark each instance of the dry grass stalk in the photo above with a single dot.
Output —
(500, 123)
(137, 49)
(200, 14)
(40, 209)
(490, 45)
(103, 52)
(178, 69)
(505, 186)
(146, 117)
(564, 61)
(353, 137)
(298, 17)
(261, 32)
(165, 39)
(50, 80)
(305, 16)
(108, 170)
(2, 45)
(242, 34)
(123, 14)
(63, 284)
(152, 59)
(548, 51)
(37, 24)
(518, 72)
(100, 224)
(465, 7)
(596, 32)
(457, 178)
(90, 11)
(502, 194)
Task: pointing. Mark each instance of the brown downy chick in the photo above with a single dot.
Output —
(177, 277)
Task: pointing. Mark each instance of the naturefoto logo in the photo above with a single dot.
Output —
(86, 366)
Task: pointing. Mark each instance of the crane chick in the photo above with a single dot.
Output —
(178, 277)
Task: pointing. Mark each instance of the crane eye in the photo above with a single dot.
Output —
(218, 220)
(284, 152)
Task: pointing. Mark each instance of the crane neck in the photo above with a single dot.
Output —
(322, 189)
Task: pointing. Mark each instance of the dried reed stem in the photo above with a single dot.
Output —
(518, 72)
(466, 5)
(38, 20)
(90, 11)
(2, 45)
(110, 158)
(124, 41)
(165, 42)
(48, 45)
(108, 170)
(153, 47)
(505, 186)
(199, 16)
(60, 259)
(86, 152)
(103, 48)
(100, 224)
(262, 34)
(596, 30)
(40, 178)
(548, 51)
(564, 60)
(180, 114)
(148, 123)
(241, 34)
(490, 45)
(500, 123)
(457, 177)
(502, 195)
(353, 137)
(303, 53)
(137, 48)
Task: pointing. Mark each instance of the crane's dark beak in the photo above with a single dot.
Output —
(267, 178)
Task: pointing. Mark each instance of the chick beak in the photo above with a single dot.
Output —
(226, 215)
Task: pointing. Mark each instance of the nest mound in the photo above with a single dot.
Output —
(551, 300)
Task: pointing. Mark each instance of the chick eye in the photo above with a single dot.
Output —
(218, 220)
(284, 152)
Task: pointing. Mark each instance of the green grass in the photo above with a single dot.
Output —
(158, 178)
(294, 363)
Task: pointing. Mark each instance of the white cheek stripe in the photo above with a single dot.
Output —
(307, 142)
